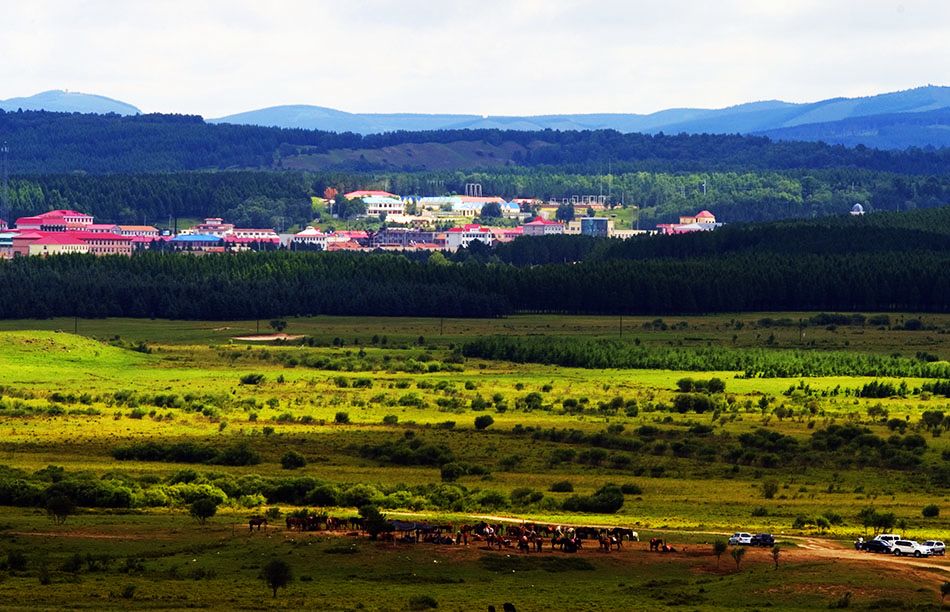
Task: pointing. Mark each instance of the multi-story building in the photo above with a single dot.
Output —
(377, 206)
(461, 237)
(103, 243)
(543, 227)
(138, 230)
(55, 221)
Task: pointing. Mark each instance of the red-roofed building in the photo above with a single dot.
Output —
(543, 227)
(461, 237)
(365, 193)
(104, 244)
(506, 234)
(55, 221)
(56, 244)
(138, 230)
(3, 225)
(102, 228)
(255, 235)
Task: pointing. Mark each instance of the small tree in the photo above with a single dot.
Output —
(931, 511)
(278, 325)
(776, 551)
(341, 418)
(483, 421)
(822, 523)
(769, 489)
(291, 460)
(277, 574)
(374, 521)
(59, 507)
(203, 508)
(737, 554)
(719, 547)
(491, 210)
(565, 213)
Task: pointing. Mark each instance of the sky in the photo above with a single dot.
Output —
(491, 57)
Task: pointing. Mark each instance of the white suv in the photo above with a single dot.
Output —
(888, 538)
(909, 547)
(740, 538)
(936, 547)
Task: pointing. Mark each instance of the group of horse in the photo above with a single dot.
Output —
(526, 537)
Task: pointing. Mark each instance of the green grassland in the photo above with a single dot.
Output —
(71, 400)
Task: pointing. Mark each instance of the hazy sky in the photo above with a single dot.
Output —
(214, 57)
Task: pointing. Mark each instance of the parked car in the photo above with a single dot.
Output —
(876, 546)
(740, 538)
(762, 539)
(936, 547)
(909, 547)
(890, 538)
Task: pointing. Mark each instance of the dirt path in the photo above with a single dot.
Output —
(807, 547)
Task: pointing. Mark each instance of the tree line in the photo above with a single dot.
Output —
(274, 284)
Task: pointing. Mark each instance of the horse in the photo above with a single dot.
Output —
(523, 545)
(257, 521)
(655, 544)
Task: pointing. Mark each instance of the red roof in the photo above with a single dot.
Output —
(705, 215)
(98, 236)
(58, 240)
(541, 221)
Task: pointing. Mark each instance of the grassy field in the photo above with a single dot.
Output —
(71, 400)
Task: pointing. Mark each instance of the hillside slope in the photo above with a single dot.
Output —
(69, 102)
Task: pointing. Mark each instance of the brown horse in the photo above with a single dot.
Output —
(257, 521)
(655, 544)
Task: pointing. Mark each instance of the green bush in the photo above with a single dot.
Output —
(341, 418)
(931, 511)
(562, 486)
(292, 460)
(422, 602)
(483, 421)
(252, 379)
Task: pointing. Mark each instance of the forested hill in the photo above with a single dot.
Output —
(44, 142)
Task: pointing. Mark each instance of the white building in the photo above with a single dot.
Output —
(379, 205)
(461, 237)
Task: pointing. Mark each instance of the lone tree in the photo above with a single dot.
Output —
(719, 547)
(278, 325)
(483, 421)
(374, 521)
(291, 460)
(737, 554)
(491, 210)
(203, 508)
(59, 507)
(277, 574)
(776, 551)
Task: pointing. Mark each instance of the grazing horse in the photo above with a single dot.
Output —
(257, 521)
(655, 544)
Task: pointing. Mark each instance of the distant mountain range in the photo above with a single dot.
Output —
(915, 117)
(60, 101)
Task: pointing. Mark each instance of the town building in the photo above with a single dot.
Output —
(310, 237)
(45, 246)
(6, 245)
(55, 221)
(461, 237)
(3, 226)
(366, 193)
(102, 228)
(543, 227)
(104, 244)
(138, 230)
(377, 206)
(202, 243)
(703, 221)
(212, 226)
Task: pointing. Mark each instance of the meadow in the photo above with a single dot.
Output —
(136, 419)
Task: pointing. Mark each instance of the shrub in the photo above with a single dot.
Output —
(483, 421)
(203, 508)
(341, 418)
(631, 489)
(390, 419)
(931, 511)
(292, 460)
(769, 489)
(562, 486)
(524, 496)
(422, 602)
(252, 379)
(606, 500)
